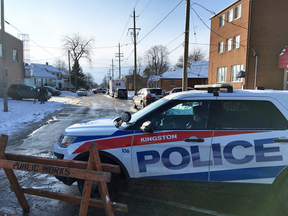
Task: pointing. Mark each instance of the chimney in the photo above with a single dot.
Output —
(46, 63)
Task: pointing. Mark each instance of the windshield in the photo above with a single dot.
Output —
(146, 110)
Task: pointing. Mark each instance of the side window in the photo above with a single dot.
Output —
(222, 20)
(185, 115)
(15, 55)
(250, 115)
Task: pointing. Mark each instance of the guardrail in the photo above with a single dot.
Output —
(91, 170)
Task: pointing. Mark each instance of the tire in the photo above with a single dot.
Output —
(134, 105)
(16, 96)
(116, 183)
(281, 195)
(142, 105)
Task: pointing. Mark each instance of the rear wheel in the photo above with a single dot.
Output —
(281, 195)
(134, 105)
(142, 104)
(16, 97)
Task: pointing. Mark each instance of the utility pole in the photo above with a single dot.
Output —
(135, 53)
(119, 55)
(69, 70)
(112, 70)
(4, 70)
(186, 48)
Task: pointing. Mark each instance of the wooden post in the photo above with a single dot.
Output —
(94, 155)
(91, 171)
(11, 176)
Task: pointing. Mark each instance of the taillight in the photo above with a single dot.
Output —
(148, 96)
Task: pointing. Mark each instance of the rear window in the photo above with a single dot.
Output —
(156, 91)
(122, 90)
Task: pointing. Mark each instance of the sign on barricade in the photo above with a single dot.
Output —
(91, 171)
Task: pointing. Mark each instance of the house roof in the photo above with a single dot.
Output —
(198, 69)
(50, 68)
(38, 72)
(154, 78)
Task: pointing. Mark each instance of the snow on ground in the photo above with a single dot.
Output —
(24, 112)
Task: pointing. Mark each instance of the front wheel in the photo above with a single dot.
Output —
(113, 186)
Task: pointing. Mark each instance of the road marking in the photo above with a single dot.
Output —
(178, 205)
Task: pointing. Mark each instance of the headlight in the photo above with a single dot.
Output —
(65, 141)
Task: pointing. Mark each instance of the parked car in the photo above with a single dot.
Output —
(53, 91)
(20, 91)
(146, 96)
(179, 89)
(82, 92)
(121, 93)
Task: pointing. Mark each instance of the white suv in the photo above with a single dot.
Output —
(211, 135)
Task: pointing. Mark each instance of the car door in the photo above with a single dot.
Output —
(250, 140)
(176, 149)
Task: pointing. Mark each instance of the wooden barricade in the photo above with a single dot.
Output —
(91, 170)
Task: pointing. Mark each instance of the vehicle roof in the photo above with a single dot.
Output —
(280, 95)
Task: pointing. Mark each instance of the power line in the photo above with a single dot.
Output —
(29, 38)
(160, 22)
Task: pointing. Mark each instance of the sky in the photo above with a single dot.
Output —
(109, 22)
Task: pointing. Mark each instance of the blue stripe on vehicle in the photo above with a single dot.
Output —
(248, 173)
(227, 175)
(118, 133)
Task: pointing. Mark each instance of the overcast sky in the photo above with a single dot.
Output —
(161, 22)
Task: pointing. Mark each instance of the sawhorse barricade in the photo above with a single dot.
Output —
(91, 170)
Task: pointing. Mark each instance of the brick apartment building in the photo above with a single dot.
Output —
(14, 62)
(249, 35)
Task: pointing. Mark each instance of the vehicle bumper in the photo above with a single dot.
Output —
(59, 153)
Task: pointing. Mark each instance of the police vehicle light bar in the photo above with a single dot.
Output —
(215, 88)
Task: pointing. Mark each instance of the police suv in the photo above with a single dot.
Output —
(215, 134)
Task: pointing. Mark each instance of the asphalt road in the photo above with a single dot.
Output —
(143, 197)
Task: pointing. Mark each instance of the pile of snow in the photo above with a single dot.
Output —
(23, 112)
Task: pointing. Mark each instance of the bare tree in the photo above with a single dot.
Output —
(90, 80)
(61, 65)
(196, 55)
(157, 60)
(79, 48)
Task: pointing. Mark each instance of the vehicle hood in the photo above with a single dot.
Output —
(92, 127)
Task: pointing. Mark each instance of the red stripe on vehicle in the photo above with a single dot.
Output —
(118, 142)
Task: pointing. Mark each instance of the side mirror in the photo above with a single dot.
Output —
(147, 127)
(126, 116)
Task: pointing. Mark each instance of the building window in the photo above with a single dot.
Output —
(221, 74)
(15, 55)
(236, 42)
(238, 11)
(172, 83)
(222, 20)
(228, 44)
(220, 47)
(235, 69)
(230, 16)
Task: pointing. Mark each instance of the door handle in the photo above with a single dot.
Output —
(280, 140)
(194, 140)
